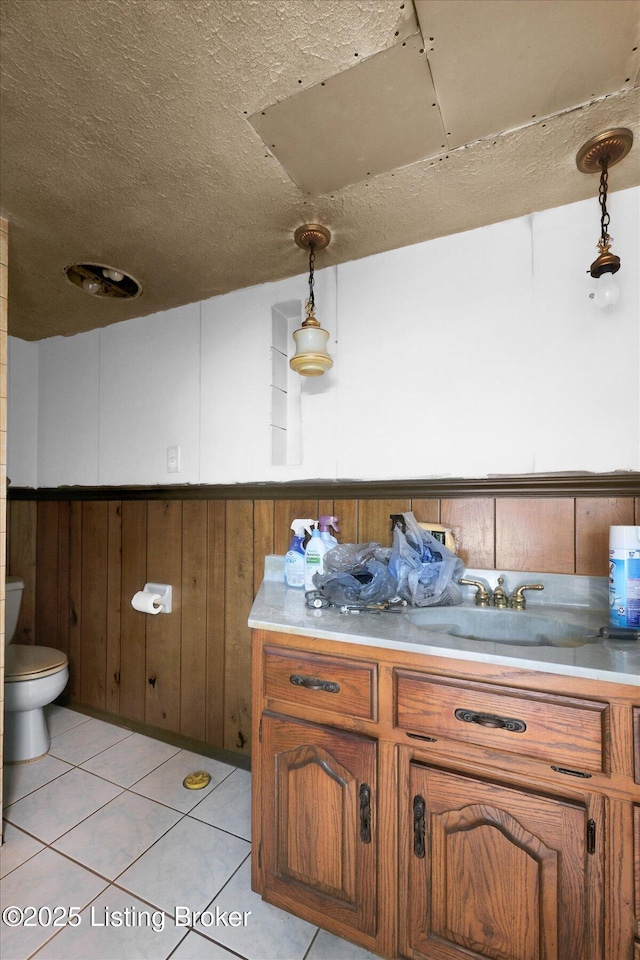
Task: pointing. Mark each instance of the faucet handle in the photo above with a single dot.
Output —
(518, 601)
(482, 596)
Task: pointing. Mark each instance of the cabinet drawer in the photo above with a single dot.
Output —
(562, 731)
(346, 688)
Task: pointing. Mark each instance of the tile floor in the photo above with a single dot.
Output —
(103, 825)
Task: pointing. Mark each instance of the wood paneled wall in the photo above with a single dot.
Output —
(189, 672)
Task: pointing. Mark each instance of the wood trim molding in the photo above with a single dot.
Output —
(620, 483)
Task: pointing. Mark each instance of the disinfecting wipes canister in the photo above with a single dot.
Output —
(624, 577)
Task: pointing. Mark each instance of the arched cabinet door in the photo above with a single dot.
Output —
(318, 822)
(496, 873)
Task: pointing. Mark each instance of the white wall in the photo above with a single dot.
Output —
(22, 412)
(149, 373)
(469, 355)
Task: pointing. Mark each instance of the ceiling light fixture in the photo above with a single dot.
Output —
(100, 280)
(311, 358)
(600, 153)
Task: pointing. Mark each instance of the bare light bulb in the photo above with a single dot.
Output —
(91, 286)
(114, 275)
(607, 291)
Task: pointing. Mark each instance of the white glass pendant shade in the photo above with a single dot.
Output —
(607, 291)
(311, 358)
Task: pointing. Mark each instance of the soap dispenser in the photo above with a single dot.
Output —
(314, 557)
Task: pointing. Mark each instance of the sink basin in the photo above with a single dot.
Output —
(503, 626)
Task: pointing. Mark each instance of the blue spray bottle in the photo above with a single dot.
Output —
(294, 558)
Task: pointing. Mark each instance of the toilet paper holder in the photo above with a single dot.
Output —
(164, 594)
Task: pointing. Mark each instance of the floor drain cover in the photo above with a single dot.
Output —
(197, 780)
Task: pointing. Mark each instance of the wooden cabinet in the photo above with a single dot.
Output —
(492, 871)
(636, 868)
(318, 852)
(433, 809)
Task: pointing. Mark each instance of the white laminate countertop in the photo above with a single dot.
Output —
(282, 609)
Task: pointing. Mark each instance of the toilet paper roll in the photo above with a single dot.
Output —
(147, 602)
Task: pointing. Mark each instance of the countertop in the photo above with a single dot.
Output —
(282, 609)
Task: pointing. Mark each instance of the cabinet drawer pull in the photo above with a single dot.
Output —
(419, 808)
(572, 773)
(314, 683)
(490, 720)
(365, 813)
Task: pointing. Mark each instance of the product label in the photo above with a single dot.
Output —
(294, 570)
(624, 588)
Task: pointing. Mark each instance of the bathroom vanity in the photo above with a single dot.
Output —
(431, 796)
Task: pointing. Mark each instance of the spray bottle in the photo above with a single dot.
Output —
(294, 558)
(314, 557)
(324, 523)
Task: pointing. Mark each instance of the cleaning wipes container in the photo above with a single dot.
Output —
(624, 577)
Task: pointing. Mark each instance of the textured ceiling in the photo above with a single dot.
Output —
(130, 134)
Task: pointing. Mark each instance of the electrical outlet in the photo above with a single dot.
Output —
(173, 459)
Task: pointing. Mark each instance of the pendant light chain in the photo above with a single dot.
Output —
(311, 303)
(605, 240)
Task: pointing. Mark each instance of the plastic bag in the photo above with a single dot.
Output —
(425, 570)
(352, 557)
(356, 574)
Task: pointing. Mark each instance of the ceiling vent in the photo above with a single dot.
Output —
(101, 280)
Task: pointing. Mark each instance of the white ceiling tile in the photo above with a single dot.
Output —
(499, 64)
(375, 117)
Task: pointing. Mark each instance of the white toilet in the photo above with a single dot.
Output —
(33, 678)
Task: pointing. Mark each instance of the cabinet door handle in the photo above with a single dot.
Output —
(314, 683)
(490, 720)
(419, 808)
(365, 813)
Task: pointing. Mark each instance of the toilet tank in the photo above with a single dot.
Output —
(13, 597)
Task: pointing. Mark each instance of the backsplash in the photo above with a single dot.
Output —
(188, 673)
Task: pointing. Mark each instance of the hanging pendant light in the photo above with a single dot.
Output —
(600, 153)
(311, 358)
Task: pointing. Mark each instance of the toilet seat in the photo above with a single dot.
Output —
(25, 662)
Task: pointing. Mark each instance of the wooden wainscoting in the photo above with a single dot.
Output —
(82, 559)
